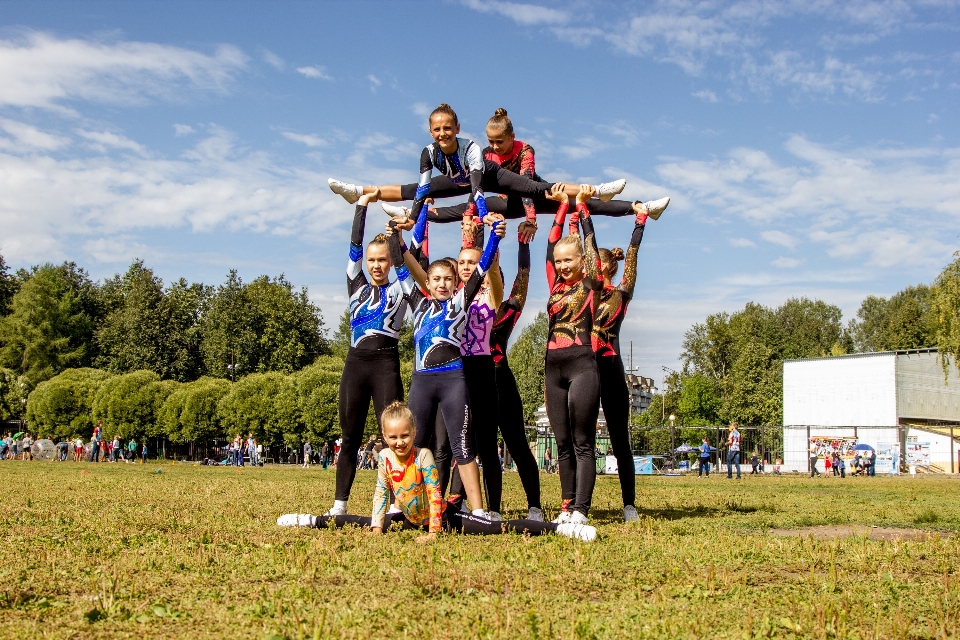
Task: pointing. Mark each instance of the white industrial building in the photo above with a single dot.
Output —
(897, 400)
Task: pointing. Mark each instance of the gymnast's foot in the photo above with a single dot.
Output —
(394, 211)
(577, 531)
(296, 520)
(606, 190)
(654, 208)
(350, 192)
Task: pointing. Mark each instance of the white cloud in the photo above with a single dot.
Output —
(274, 60)
(28, 137)
(742, 242)
(375, 82)
(524, 14)
(103, 140)
(585, 147)
(706, 95)
(182, 129)
(305, 138)
(420, 109)
(40, 70)
(316, 72)
(787, 263)
(780, 238)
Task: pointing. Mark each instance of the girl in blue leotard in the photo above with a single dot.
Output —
(439, 319)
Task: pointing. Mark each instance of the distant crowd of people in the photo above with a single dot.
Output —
(20, 446)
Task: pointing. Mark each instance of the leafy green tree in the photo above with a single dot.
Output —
(255, 404)
(905, 321)
(946, 307)
(14, 390)
(527, 357)
(189, 414)
(755, 387)
(149, 328)
(8, 287)
(128, 405)
(50, 326)
(260, 327)
(62, 407)
(311, 402)
(699, 402)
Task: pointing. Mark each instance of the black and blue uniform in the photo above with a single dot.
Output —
(372, 367)
(438, 380)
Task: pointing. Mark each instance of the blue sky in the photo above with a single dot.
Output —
(810, 148)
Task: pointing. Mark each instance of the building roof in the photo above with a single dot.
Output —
(868, 354)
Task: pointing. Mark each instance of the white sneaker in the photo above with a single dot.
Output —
(535, 514)
(563, 518)
(577, 518)
(394, 211)
(296, 520)
(394, 509)
(350, 192)
(337, 510)
(655, 207)
(494, 516)
(582, 532)
(630, 513)
(607, 190)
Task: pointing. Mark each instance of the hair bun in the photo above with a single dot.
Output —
(444, 105)
(617, 253)
(501, 113)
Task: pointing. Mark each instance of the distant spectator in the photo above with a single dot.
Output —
(307, 454)
(95, 442)
(252, 449)
(843, 466)
(733, 450)
(62, 448)
(25, 445)
(873, 463)
(547, 460)
(827, 464)
(325, 454)
(115, 449)
(132, 450)
(754, 464)
(704, 458)
(143, 453)
(813, 461)
(776, 467)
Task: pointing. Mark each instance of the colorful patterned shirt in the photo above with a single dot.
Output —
(416, 485)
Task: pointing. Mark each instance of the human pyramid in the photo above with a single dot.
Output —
(463, 390)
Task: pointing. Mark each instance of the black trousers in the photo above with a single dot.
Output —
(514, 435)
(573, 403)
(453, 521)
(496, 179)
(367, 374)
(511, 208)
(615, 398)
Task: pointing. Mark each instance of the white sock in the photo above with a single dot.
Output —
(340, 504)
(479, 512)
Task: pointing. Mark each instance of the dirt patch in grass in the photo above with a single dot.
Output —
(834, 531)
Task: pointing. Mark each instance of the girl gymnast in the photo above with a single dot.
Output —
(408, 472)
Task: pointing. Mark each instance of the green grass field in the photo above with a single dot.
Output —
(194, 552)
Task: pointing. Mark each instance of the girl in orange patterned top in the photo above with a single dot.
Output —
(411, 475)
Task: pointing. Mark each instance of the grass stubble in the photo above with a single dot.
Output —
(122, 551)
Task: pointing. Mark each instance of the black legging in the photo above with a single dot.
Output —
(514, 436)
(496, 179)
(484, 408)
(367, 374)
(573, 402)
(457, 521)
(512, 208)
(615, 398)
(435, 393)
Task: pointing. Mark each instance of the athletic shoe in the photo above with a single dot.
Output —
(630, 513)
(577, 518)
(394, 211)
(350, 192)
(394, 509)
(535, 514)
(563, 518)
(655, 208)
(296, 520)
(607, 190)
(582, 532)
(336, 511)
(493, 516)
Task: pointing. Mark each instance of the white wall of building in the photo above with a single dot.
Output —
(856, 390)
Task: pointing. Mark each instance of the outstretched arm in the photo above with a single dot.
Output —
(407, 268)
(556, 231)
(475, 166)
(380, 497)
(423, 187)
(518, 294)
(629, 279)
(591, 255)
(496, 278)
(528, 168)
(355, 275)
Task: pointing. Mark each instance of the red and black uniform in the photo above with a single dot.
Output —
(614, 395)
(511, 405)
(522, 160)
(571, 379)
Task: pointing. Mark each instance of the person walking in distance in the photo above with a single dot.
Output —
(307, 452)
(813, 461)
(325, 455)
(95, 442)
(733, 450)
(704, 459)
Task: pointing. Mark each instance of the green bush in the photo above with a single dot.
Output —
(190, 413)
(255, 404)
(128, 405)
(62, 407)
